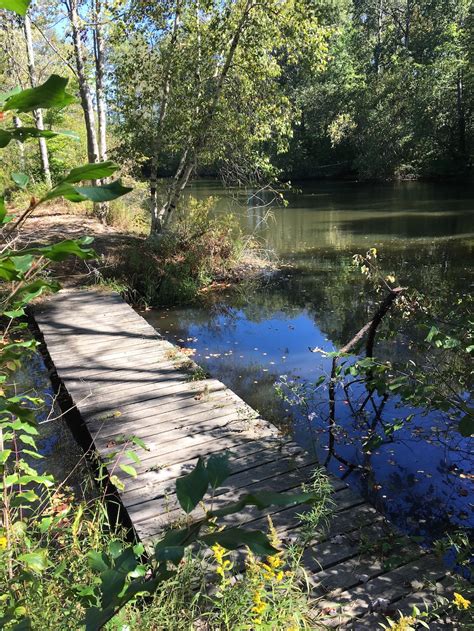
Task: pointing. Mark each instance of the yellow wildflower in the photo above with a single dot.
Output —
(259, 604)
(222, 565)
(461, 602)
(219, 552)
(3, 542)
(279, 576)
(405, 623)
(275, 562)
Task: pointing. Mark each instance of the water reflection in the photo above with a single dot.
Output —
(423, 478)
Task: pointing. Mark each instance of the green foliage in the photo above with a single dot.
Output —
(52, 93)
(395, 99)
(174, 267)
(18, 6)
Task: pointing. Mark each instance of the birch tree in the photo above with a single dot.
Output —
(99, 58)
(218, 65)
(38, 115)
(84, 88)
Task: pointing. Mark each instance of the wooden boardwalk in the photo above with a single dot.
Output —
(125, 379)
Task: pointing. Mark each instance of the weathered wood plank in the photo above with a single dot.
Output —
(125, 379)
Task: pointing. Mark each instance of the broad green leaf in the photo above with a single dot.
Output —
(97, 561)
(218, 469)
(129, 470)
(466, 425)
(17, 6)
(4, 455)
(36, 288)
(5, 137)
(23, 133)
(18, 313)
(64, 190)
(61, 250)
(22, 262)
(91, 172)
(3, 212)
(104, 193)
(21, 497)
(171, 553)
(20, 179)
(233, 538)
(27, 439)
(35, 561)
(191, 488)
(6, 95)
(49, 94)
(182, 537)
(264, 500)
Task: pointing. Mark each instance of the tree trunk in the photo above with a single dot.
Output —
(84, 90)
(38, 115)
(102, 209)
(99, 80)
(157, 132)
(191, 153)
(461, 115)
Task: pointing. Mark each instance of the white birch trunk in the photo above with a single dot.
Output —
(84, 90)
(99, 80)
(191, 153)
(38, 115)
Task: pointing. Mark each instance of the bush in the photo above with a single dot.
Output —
(172, 268)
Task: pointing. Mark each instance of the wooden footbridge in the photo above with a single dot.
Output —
(125, 379)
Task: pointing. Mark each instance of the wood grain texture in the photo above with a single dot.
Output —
(125, 379)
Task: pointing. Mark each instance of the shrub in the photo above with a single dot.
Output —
(173, 267)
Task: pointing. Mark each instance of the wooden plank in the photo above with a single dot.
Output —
(390, 587)
(152, 517)
(125, 379)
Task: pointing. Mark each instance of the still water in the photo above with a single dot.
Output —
(254, 337)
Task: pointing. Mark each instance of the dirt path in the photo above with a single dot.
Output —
(56, 223)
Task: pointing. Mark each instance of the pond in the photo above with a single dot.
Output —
(254, 337)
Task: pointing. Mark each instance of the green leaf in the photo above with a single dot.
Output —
(264, 500)
(24, 133)
(466, 425)
(35, 561)
(49, 94)
(22, 262)
(191, 488)
(233, 538)
(24, 496)
(182, 537)
(5, 137)
(91, 172)
(27, 439)
(35, 289)
(129, 470)
(171, 553)
(218, 469)
(64, 190)
(17, 6)
(20, 179)
(97, 561)
(105, 193)
(4, 455)
(6, 95)
(61, 250)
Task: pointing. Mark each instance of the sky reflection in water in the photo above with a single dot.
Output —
(248, 341)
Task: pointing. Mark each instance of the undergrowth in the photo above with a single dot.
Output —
(173, 267)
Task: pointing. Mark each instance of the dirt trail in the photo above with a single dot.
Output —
(56, 223)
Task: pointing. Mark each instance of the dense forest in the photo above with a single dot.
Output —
(376, 89)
